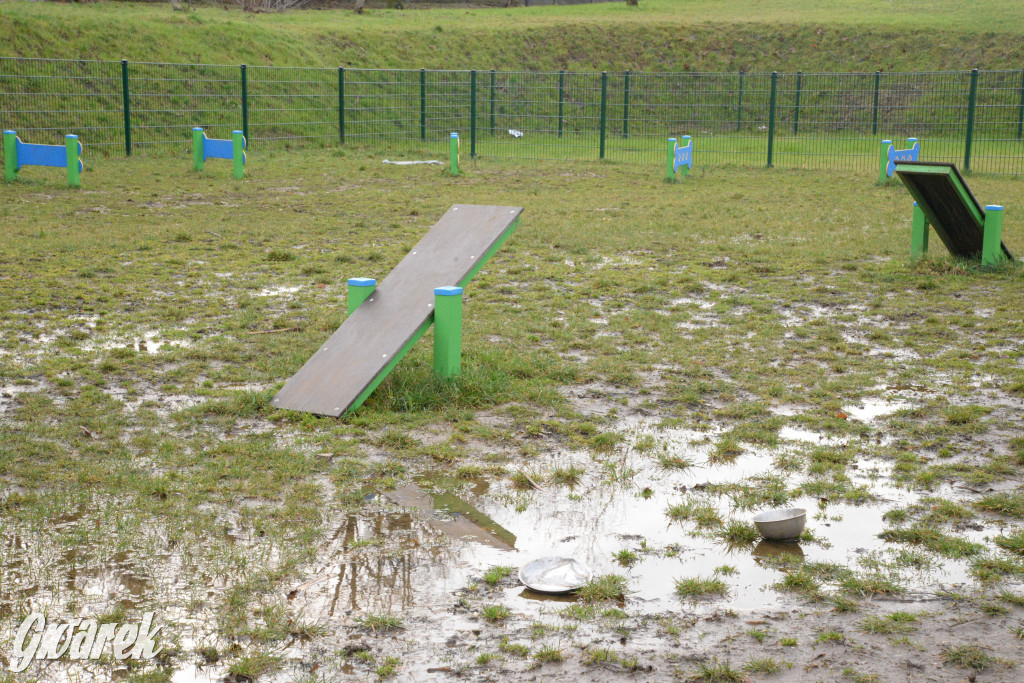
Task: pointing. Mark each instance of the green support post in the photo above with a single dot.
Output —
(883, 161)
(972, 100)
(197, 149)
(561, 99)
(796, 104)
(992, 242)
(447, 332)
(453, 149)
(492, 102)
(670, 171)
(771, 119)
(359, 290)
(472, 114)
(874, 110)
(238, 153)
(1020, 108)
(245, 103)
(739, 104)
(604, 109)
(126, 109)
(625, 106)
(341, 104)
(10, 155)
(71, 145)
(918, 235)
(423, 104)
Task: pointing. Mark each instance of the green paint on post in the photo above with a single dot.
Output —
(126, 109)
(10, 155)
(472, 114)
(883, 161)
(341, 104)
(625, 107)
(238, 153)
(796, 103)
(771, 119)
(453, 150)
(874, 110)
(197, 149)
(245, 103)
(670, 171)
(561, 99)
(1020, 108)
(972, 100)
(739, 104)
(359, 289)
(604, 109)
(918, 235)
(447, 332)
(992, 243)
(72, 147)
(423, 104)
(492, 102)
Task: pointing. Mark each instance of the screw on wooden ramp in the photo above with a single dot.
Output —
(368, 345)
(948, 206)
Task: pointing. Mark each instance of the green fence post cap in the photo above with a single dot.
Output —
(993, 207)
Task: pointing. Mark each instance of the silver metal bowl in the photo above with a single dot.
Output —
(782, 525)
(555, 574)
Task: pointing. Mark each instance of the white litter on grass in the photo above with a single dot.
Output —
(515, 133)
(413, 163)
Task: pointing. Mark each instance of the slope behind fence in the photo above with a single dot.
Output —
(793, 120)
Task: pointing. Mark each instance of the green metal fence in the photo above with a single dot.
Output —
(791, 120)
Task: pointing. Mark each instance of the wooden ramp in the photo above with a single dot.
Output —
(948, 205)
(371, 341)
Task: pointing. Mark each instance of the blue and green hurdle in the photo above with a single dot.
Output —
(889, 157)
(18, 154)
(204, 148)
(680, 159)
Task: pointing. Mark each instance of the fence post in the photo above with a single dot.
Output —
(771, 119)
(472, 114)
(492, 102)
(739, 105)
(625, 107)
(341, 104)
(1020, 109)
(245, 105)
(127, 109)
(604, 108)
(423, 104)
(796, 106)
(561, 97)
(874, 110)
(972, 99)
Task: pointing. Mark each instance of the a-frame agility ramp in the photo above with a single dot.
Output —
(385, 320)
(943, 200)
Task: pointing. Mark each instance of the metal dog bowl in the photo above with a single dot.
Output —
(555, 574)
(782, 525)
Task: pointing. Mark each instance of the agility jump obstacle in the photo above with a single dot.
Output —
(679, 158)
(386, 320)
(943, 200)
(204, 148)
(890, 156)
(18, 154)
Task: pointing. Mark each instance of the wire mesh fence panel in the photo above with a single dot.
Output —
(997, 145)
(46, 99)
(168, 100)
(813, 120)
(292, 105)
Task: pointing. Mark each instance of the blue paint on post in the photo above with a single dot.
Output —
(362, 282)
(447, 291)
(913, 153)
(684, 154)
(993, 207)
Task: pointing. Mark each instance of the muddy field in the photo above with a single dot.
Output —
(647, 366)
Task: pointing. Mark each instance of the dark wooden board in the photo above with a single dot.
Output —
(948, 205)
(380, 329)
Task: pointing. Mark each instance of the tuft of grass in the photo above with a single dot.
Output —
(626, 557)
(494, 575)
(251, 667)
(514, 649)
(738, 533)
(717, 672)
(830, 636)
(548, 653)
(388, 668)
(968, 657)
(380, 623)
(604, 588)
(493, 613)
(1013, 543)
(701, 586)
(567, 476)
(765, 666)
(1009, 504)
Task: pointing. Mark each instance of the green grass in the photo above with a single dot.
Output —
(847, 34)
(968, 657)
(699, 586)
(604, 588)
(494, 575)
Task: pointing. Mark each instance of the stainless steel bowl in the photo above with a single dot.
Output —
(555, 574)
(782, 525)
